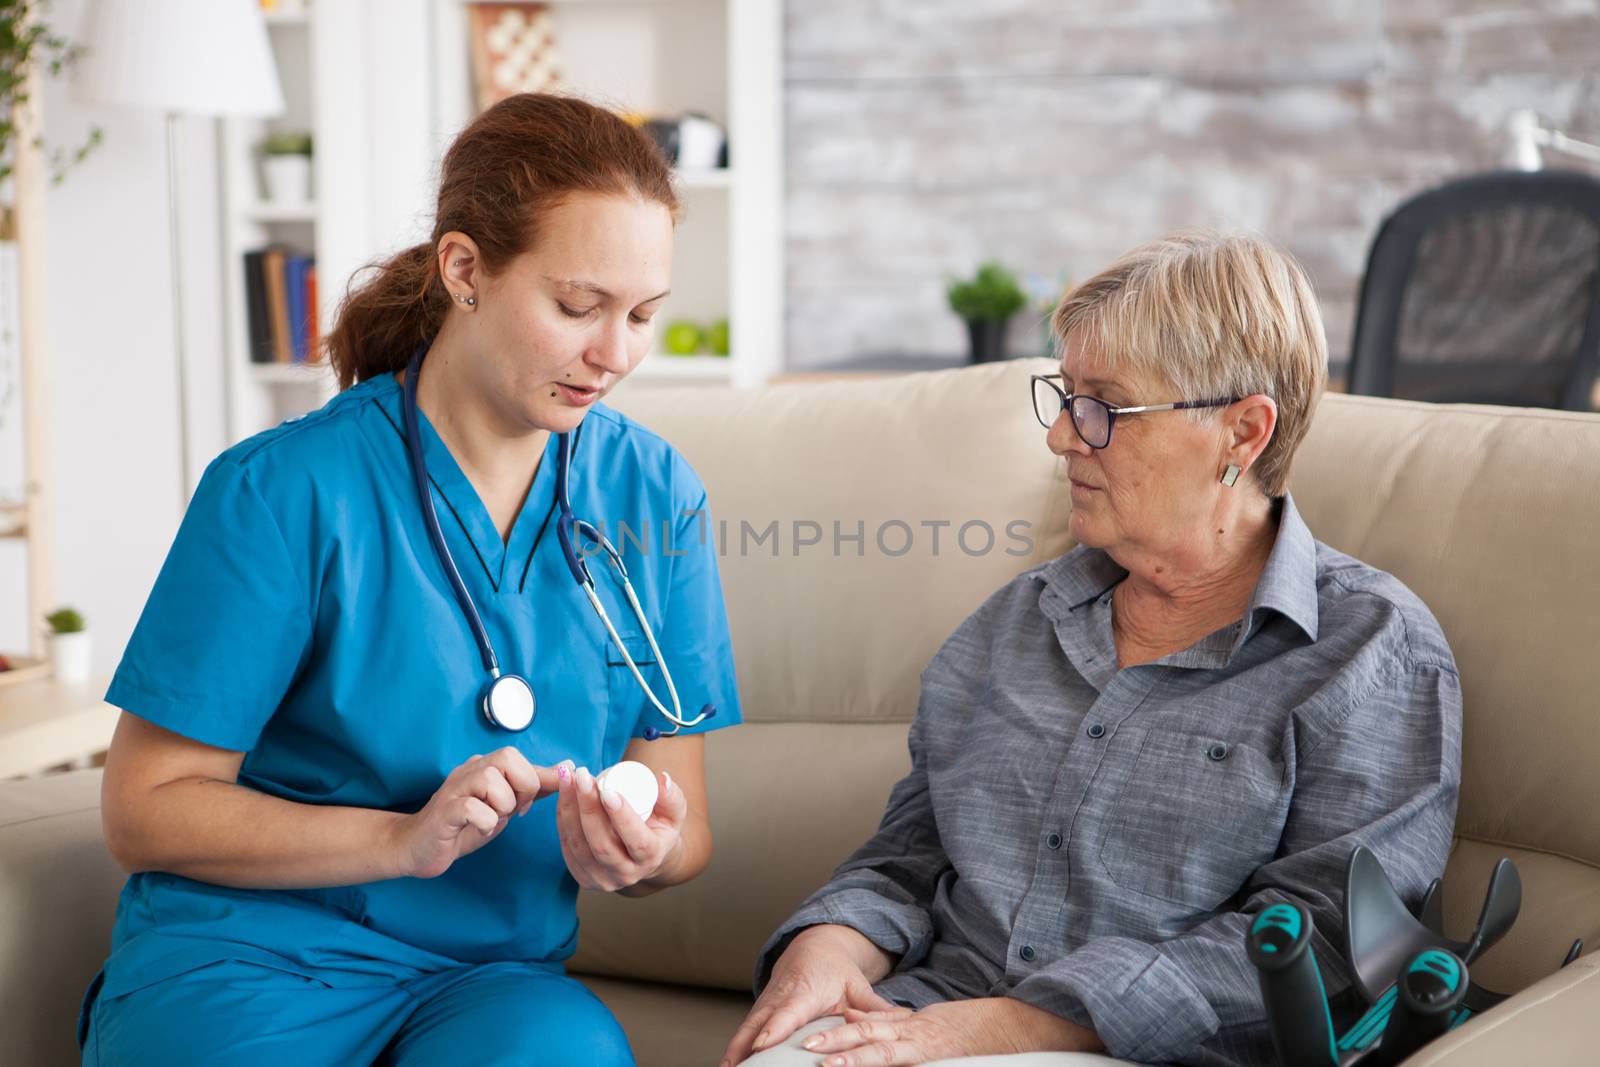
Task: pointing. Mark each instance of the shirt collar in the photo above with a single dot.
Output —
(1288, 582)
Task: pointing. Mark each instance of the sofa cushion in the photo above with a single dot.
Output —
(826, 635)
(789, 801)
(672, 1026)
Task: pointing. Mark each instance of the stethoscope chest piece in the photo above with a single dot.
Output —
(508, 703)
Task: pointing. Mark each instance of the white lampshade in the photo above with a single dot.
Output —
(184, 57)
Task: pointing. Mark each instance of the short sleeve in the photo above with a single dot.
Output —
(694, 638)
(227, 625)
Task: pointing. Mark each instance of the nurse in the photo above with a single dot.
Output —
(336, 857)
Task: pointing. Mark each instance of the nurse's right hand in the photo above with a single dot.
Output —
(825, 970)
(469, 810)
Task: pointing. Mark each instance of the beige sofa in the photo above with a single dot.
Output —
(1491, 515)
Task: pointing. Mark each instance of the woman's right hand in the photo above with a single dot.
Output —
(824, 970)
(469, 810)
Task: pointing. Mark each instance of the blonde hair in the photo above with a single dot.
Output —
(1215, 316)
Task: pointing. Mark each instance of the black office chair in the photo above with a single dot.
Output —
(1485, 290)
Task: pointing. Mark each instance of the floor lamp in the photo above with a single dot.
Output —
(180, 57)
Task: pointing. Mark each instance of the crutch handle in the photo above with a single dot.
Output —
(1431, 989)
(1279, 944)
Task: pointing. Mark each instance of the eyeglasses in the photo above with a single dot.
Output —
(1092, 417)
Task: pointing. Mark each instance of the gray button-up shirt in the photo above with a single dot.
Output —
(1095, 841)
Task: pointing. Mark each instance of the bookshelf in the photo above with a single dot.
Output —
(350, 76)
(260, 395)
(721, 58)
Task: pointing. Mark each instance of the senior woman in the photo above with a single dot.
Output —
(1126, 753)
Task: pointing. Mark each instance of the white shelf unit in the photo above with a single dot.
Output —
(260, 395)
(721, 58)
(311, 47)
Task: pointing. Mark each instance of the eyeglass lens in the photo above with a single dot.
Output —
(1089, 417)
(1092, 419)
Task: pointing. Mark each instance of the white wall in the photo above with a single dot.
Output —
(113, 409)
(113, 419)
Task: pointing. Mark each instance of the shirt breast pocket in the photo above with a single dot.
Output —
(626, 697)
(1195, 818)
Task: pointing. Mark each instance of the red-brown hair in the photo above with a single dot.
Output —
(504, 171)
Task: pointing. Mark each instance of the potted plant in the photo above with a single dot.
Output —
(1044, 294)
(286, 167)
(987, 301)
(69, 646)
(28, 44)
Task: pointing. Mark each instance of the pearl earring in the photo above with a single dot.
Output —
(467, 300)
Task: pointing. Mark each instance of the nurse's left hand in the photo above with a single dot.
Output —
(606, 844)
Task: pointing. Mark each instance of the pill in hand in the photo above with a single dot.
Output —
(635, 782)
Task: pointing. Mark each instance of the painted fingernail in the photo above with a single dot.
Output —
(610, 798)
(812, 1042)
(562, 773)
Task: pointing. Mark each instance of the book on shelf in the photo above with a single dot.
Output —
(313, 328)
(278, 305)
(281, 306)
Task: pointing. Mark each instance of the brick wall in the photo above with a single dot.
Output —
(926, 135)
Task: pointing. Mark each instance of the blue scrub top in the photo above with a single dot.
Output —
(303, 618)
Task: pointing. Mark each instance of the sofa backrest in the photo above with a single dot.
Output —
(1489, 514)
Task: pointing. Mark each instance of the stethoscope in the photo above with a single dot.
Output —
(508, 701)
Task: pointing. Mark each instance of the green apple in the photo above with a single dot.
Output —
(719, 337)
(682, 338)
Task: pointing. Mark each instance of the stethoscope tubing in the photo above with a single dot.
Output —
(567, 525)
(430, 516)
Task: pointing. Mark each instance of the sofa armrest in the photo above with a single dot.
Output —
(1554, 1022)
(58, 896)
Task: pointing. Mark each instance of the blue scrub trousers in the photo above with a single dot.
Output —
(245, 1014)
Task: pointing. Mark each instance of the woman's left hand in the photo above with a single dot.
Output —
(987, 1026)
(606, 844)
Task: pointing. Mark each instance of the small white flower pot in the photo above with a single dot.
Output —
(69, 656)
(288, 178)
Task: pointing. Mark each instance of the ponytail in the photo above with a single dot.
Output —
(382, 321)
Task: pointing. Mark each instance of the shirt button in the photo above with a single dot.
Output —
(1027, 953)
(1219, 752)
(1054, 840)
(1097, 731)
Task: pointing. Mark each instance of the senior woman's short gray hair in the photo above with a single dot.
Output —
(1213, 315)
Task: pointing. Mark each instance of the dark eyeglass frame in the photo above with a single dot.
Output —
(1070, 400)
